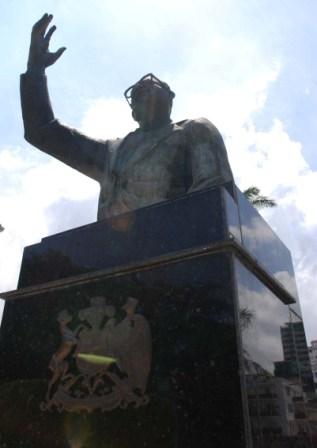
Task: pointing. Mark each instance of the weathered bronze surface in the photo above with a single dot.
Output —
(160, 160)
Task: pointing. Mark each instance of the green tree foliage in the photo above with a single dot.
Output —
(257, 200)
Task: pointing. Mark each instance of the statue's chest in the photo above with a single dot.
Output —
(149, 157)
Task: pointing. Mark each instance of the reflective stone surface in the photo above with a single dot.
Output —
(193, 387)
(264, 245)
(195, 220)
(280, 399)
(232, 217)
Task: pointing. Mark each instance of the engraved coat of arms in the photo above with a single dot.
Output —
(104, 362)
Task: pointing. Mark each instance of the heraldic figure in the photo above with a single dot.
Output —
(102, 363)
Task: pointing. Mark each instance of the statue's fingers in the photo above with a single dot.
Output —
(57, 54)
(49, 34)
(37, 25)
(41, 29)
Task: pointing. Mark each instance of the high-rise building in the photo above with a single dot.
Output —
(295, 350)
(313, 360)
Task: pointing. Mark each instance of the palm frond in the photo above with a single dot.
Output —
(251, 192)
(246, 317)
(263, 201)
(256, 199)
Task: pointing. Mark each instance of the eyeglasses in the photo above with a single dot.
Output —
(131, 91)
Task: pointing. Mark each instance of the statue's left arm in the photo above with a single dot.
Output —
(208, 158)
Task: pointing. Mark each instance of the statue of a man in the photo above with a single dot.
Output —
(160, 160)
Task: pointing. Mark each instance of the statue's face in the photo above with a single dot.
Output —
(151, 105)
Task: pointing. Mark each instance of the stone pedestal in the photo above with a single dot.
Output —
(147, 330)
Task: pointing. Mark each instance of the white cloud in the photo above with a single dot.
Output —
(261, 338)
(108, 118)
(25, 198)
(266, 154)
(224, 79)
(304, 197)
(275, 163)
(305, 257)
(35, 189)
(10, 161)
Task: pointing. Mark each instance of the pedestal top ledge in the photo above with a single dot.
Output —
(208, 220)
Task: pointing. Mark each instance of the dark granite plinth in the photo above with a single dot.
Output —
(184, 320)
(194, 376)
(137, 236)
(197, 221)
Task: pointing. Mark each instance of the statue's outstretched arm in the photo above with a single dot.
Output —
(42, 130)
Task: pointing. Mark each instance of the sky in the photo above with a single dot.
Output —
(249, 66)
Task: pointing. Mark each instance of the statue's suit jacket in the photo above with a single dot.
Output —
(141, 169)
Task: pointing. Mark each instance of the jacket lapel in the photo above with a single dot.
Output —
(138, 145)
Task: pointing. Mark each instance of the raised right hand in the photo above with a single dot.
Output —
(39, 55)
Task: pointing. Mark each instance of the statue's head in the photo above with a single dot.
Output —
(151, 102)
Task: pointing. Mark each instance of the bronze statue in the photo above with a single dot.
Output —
(160, 160)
